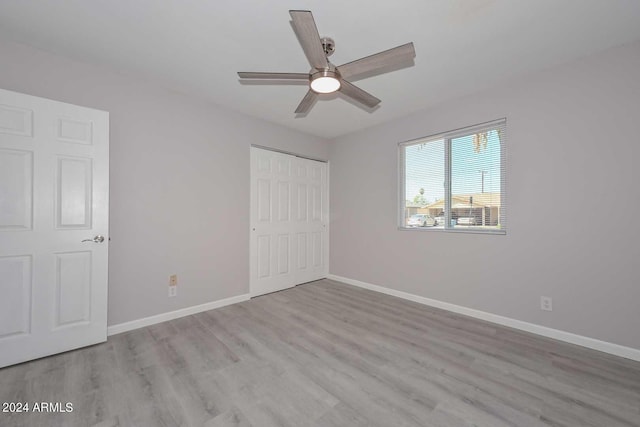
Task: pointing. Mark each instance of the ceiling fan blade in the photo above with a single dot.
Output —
(359, 95)
(273, 76)
(307, 102)
(307, 32)
(399, 54)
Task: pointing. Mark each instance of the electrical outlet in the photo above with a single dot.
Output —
(173, 291)
(546, 304)
(173, 280)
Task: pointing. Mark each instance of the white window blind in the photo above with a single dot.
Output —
(455, 181)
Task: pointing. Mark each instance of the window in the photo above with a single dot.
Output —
(455, 181)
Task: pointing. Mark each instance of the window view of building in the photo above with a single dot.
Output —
(455, 181)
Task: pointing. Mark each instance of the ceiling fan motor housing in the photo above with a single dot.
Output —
(328, 45)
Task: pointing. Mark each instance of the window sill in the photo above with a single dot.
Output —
(457, 229)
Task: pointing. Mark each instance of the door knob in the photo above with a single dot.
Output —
(96, 239)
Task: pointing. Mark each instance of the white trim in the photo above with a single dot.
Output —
(275, 150)
(159, 318)
(455, 133)
(606, 347)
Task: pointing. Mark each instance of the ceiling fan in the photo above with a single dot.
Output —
(325, 77)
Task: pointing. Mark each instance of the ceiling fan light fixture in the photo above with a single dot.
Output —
(325, 81)
(324, 77)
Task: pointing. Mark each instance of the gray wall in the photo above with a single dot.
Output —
(179, 195)
(179, 181)
(573, 203)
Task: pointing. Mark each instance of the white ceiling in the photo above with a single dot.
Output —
(197, 46)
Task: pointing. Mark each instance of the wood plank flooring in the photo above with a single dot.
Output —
(327, 354)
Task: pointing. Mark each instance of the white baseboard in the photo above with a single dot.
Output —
(159, 318)
(606, 347)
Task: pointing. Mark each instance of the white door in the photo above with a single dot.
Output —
(289, 217)
(54, 188)
(310, 211)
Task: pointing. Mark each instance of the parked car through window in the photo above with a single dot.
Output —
(421, 220)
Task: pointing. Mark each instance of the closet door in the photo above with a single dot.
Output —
(310, 220)
(289, 234)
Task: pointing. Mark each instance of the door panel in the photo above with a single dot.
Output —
(302, 202)
(73, 296)
(54, 188)
(316, 199)
(264, 256)
(74, 131)
(283, 200)
(316, 239)
(289, 213)
(15, 305)
(283, 254)
(15, 120)
(264, 200)
(302, 251)
(16, 176)
(74, 190)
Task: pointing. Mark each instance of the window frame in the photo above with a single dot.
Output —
(447, 137)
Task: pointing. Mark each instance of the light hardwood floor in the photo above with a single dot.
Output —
(327, 354)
